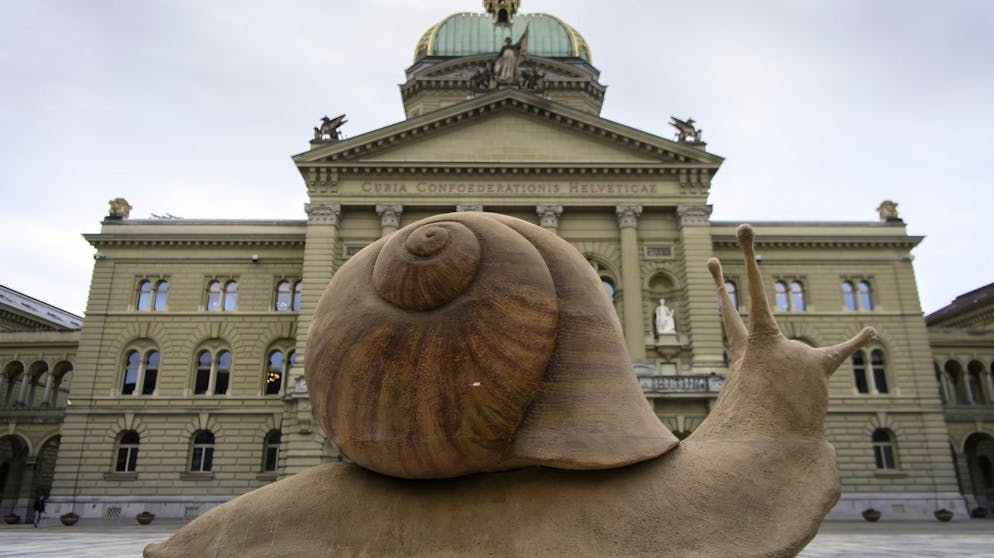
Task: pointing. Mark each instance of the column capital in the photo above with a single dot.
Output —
(549, 215)
(628, 215)
(390, 215)
(693, 214)
(329, 213)
(461, 208)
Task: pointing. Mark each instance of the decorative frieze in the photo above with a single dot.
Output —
(461, 208)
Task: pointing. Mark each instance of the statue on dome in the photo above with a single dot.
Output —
(119, 209)
(507, 67)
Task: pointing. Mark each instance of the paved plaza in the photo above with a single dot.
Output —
(97, 539)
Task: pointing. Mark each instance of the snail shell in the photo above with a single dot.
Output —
(473, 342)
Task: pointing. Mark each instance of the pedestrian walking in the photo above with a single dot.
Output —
(39, 509)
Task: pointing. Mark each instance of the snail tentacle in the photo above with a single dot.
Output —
(738, 335)
(761, 320)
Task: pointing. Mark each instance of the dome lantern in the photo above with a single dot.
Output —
(503, 11)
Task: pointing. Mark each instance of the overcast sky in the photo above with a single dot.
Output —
(822, 109)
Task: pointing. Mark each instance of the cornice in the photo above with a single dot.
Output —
(903, 242)
(667, 151)
(205, 240)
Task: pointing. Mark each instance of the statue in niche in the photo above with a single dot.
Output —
(508, 64)
(665, 324)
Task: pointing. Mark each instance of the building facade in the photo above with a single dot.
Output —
(188, 382)
(38, 344)
(962, 340)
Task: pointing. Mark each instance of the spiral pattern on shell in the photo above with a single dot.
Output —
(474, 342)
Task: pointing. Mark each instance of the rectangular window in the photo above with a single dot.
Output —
(130, 381)
(272, 453)
(203, 380)
(127, 460)
(861, 385)
(148, 384)
(880, 379)
(221, 383)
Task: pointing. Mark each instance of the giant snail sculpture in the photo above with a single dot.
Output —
(481, 347)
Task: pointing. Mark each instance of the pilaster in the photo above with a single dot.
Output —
(389, 218)
(631, 281)
(548, 217)
(303, 436)
(704, 327)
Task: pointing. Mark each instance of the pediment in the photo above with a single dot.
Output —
(508, 126)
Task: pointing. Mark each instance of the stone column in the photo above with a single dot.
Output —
(989, 385)
(944, 385)
(703, 321)
(303, 440)
(389, 218)
(967, 388)
(548, 217)
(49, 384)
(27, 495)
(22, 392)
(631, 280)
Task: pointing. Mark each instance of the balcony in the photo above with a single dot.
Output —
(682, 386)
(975, 412)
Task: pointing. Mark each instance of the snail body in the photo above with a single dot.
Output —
(756, 478)
(475, 342)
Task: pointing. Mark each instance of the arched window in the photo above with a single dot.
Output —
(132, 363)
(275, 372)
(870, 371)
(213, 373)
(608, 285)
(884, 449)
(230, 296)
(865, 296)
(298, 290)
(879, 372)
(126, 460)
(12, 376)
(797, 297)
(733, 293)
(202, 452)
(152, 298)
(140, 371)
(283, 296)
(271, 451)
(161, 296)
(781, 296)
(848, 296)
(859, 372)
(213, 302)
(144, 302)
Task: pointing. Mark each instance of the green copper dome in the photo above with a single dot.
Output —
(467, 34)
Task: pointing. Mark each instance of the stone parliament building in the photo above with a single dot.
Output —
(186, 376)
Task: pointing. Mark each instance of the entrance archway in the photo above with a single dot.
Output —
(980, 464)
(13, 461)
